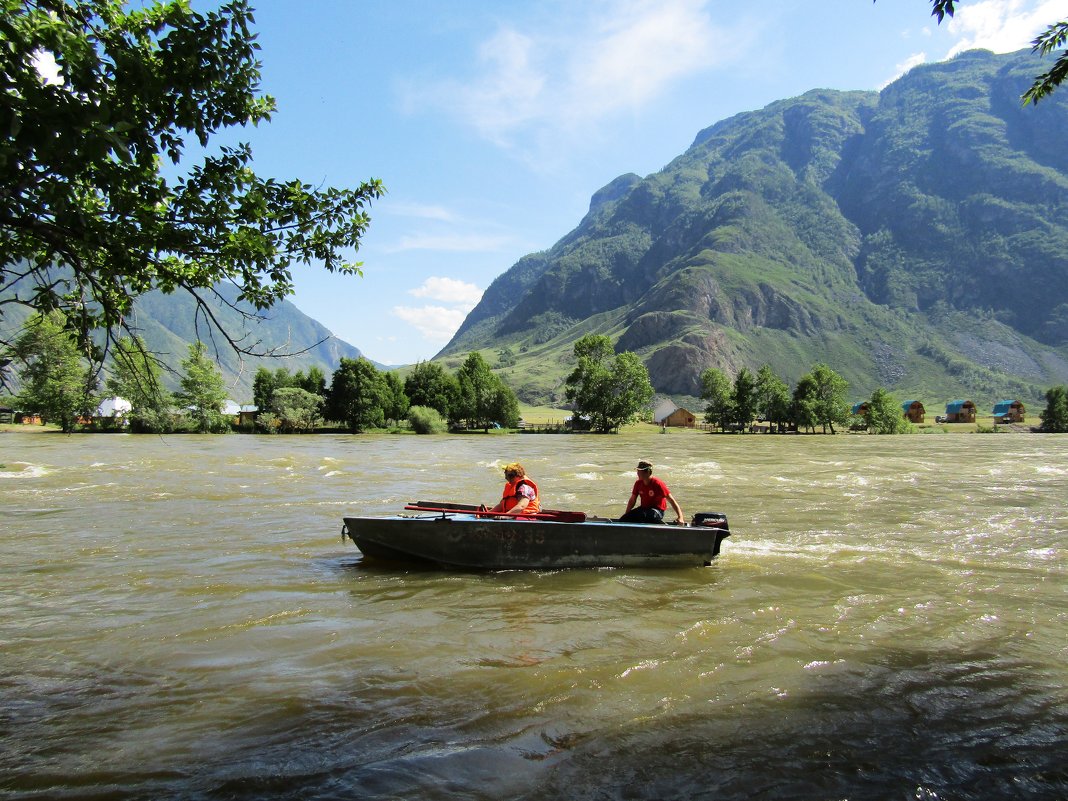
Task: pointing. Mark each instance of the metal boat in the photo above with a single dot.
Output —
(466, 537)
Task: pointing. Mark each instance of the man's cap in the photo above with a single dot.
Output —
(644, 465)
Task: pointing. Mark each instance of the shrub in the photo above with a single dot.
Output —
(425, 420)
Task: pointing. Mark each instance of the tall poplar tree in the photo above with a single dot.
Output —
(202, 390)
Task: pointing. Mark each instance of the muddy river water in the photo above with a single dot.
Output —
(179, 618)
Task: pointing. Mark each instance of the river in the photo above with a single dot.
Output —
(181, 619)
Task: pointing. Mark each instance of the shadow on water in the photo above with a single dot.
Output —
(911, 726)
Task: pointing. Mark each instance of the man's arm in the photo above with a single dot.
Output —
(677, 508)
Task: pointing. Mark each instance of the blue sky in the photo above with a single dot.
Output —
(492, 123)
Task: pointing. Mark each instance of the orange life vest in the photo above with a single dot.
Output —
(511, 496)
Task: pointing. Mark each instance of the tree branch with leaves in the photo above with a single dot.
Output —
(89, 217)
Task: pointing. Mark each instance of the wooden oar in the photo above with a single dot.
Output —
(549, 515)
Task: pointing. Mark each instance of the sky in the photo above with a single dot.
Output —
(491, 123)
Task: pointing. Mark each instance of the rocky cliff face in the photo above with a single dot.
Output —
(829, 226)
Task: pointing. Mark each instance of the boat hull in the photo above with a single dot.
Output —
(477, 543)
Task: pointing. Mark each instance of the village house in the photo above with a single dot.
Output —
(668, 414)
(913, 410)
(115, 409)
(680, 418)
(1009, 411)
(960, 411)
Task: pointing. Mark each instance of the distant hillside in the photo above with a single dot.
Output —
(169, 324)
(915, 239)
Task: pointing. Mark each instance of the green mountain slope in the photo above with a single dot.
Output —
(170, 323)
(913, 238)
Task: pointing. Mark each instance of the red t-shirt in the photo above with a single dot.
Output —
(652, 494)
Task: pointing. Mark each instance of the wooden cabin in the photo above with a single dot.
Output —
(960, 411)
(860, 409)
(1008, 411)
(680, 418)
(913, 410)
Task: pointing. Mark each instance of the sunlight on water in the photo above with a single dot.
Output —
(182, 619)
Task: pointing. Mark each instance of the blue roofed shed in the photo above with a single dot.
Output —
(913, 410)
(960, 411)
(1009, 411)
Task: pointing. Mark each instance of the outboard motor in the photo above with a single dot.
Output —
(716, 520)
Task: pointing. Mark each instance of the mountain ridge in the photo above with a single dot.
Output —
(911, 238)
(169, 322)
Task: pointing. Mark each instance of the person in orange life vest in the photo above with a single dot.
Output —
(520, 496)
(654, 495)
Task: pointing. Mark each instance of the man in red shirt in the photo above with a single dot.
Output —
(654, 496)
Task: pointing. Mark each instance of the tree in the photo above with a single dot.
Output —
(504, 407)
(477, 385)
(506, 357)
(430, 385)
(1045, 43)
(264, 383)
(883, 415)
(357, 395)
(297, 409)
(829, 404)
(426, 420)
(202, 390)
(1055, 416)
(744, 398)
(135, 376)
(773, 397)
(90, 216)
(56, 382)
(716, 389)
(803, 404)
(396, 402)
(314, 382)
(611, 390)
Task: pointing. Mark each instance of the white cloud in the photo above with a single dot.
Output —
(435, 323)
(510, 90)
(640, 52)
(1001, 25)
(448, 290)
(914, 60)
(456, 243)
(421, 211)
(595, 60)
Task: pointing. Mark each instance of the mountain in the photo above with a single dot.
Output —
(914, 239)
(170, 323)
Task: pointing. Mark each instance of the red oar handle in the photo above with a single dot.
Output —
(548, 515)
